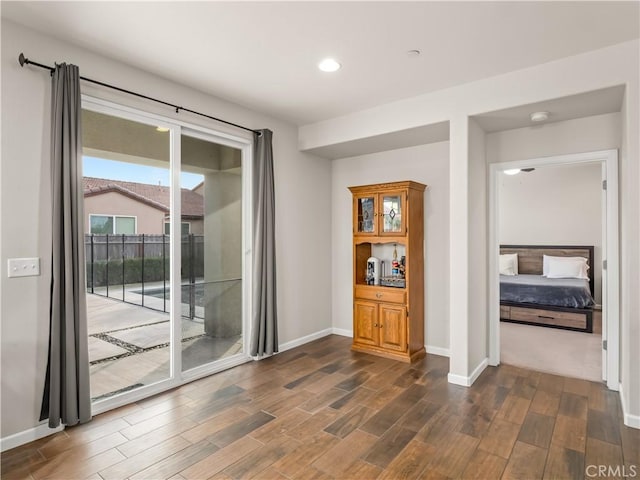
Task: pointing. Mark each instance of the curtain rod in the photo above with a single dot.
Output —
(25, 61)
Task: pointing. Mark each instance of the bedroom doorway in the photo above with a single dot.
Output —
(607, 346)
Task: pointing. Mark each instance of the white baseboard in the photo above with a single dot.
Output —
(306, 339)
(458, 379)
(478, 370)
(20, 438)
(632, 421)
(342, 331)
(443, 352)
(468, 381)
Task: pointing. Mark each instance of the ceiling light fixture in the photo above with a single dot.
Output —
(162, 129)
(329, 65)
(512, 171)
(539, 116)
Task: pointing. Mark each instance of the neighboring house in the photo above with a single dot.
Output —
(199, 188)
(115, 206)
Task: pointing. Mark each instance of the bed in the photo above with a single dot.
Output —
(532, 299)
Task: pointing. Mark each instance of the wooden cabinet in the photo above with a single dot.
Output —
(388, 219)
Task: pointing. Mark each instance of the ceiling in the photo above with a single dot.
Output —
(263, 55)
(596, 102)
(435, 132)
(114, 138)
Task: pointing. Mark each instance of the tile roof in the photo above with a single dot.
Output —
(157, 196)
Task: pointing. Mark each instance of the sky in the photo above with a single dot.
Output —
(133, 172)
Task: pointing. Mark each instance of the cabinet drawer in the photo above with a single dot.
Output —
(549, 317)
(505, 312)
(380, 294)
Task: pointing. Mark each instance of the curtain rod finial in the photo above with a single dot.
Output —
(22, 59)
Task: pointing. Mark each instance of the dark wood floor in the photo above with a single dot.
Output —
(320, 412)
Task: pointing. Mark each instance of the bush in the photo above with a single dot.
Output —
(153, 271)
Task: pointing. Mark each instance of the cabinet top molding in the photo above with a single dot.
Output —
(380, 187)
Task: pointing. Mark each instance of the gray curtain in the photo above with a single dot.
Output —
(264, 332)
(67, 396)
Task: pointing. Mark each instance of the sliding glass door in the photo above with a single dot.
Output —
(164, 238)
(211, 281)
(126, 166)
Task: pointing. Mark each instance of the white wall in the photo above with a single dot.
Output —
(588, 134)
(603, 68)
(630, 250)
(556, 205)
(478, 244)
(459, 179)
(302, 183)
(428, 164)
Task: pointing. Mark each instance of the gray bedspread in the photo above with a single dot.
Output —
(559, 292)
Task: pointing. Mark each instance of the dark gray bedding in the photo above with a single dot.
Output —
(558, 292)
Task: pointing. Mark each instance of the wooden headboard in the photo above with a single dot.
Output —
(530, 257)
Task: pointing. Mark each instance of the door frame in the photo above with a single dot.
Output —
(243, 142)
(610, 254)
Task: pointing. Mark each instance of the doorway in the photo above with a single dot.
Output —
(166, 209)
(610, 296)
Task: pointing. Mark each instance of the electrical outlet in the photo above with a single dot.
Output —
(23, 267)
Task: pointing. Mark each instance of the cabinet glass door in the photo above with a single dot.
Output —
(365, 214)
(392, 213)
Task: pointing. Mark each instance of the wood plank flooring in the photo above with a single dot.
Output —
(321, 412)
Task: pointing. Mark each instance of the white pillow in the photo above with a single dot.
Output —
(565, 267)
(509, 264)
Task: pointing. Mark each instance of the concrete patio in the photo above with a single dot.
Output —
(129, 345)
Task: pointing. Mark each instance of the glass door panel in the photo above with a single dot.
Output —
(392, 213)
(126, 200)
(211, 198)
(366, 215)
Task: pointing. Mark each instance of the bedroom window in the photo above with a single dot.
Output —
(110, 224)
(185, 228)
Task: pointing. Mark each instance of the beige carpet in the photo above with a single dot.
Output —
(550, 350)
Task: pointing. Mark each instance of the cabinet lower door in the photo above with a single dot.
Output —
(366, 329)
(393, 327)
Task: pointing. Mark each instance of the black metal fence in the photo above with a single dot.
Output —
(135, 269)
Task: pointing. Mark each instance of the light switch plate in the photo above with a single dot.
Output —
(23, 267)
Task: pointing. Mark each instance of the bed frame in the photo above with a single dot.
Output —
(530, 262)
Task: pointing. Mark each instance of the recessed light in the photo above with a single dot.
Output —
(162, 129)
(329, 65)
(512, 171)
(539, 116)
